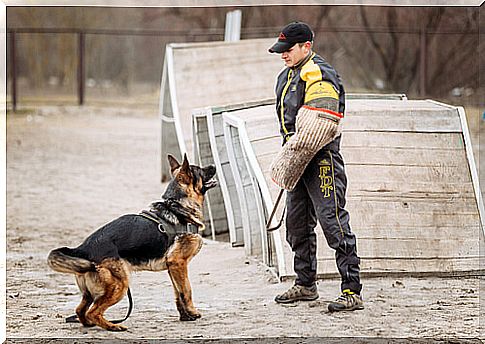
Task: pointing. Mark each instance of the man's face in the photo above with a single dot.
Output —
(296, 54)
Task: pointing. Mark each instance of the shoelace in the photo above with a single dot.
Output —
(343, 297)
(293, 290)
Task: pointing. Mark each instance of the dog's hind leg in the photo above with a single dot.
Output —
(83, 307)
(86, 301)
(184, 249)
(112, 275)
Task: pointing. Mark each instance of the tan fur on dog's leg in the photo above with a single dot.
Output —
(183, 292)
(112, 275)
(185, 248)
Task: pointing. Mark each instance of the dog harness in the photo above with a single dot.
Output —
(170, 229)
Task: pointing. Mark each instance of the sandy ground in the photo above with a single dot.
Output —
(70, 169)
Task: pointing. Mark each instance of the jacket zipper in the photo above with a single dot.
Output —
(283, 94)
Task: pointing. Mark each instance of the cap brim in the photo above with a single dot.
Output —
(280, 47)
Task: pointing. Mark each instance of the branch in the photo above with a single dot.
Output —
(373, 40)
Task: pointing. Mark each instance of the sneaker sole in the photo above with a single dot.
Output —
(305, 298)
(356, 308)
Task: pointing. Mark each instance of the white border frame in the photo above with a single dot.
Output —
(231, 120)
(207, 113)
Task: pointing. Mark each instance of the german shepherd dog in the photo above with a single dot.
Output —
(150, 241)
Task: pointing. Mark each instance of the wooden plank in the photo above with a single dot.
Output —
(221, 149)
(416, 249)
(400, 220)
(406, 174)
(408, 140)
(217, 110)
(248, 114)
(266, 149)
(358, 186)
(263, 133)
(400, 123)
(382, 105)
(396, 174)
(267, 146)
(406, 157)
(384, 232)
(409, 189)
(383, 266)
(415, 207)
(405, 267)
(218, 125)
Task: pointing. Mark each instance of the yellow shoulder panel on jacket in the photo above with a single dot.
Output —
(310, 73)
(321, 89)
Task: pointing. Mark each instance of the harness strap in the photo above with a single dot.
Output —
(165, 227)
(74, 318)
(156, 219)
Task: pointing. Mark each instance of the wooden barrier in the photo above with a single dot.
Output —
(413, 192)
(197, 75)
(209, 147)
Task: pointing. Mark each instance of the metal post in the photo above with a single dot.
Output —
(13, 70)
(80, 70)
(422, 63)
(233, 26)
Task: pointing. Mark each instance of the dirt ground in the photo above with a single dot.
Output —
(70, 169)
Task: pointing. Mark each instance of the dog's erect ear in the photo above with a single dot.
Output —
(186, 166)
(174, 164)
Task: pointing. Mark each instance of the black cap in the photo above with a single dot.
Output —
(296, 32)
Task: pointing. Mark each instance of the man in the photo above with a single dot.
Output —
(311, 82)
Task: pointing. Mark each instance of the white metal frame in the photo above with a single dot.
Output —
(198, 160)
(240, 125)
(173, 99)
(239, 187)
(208, 115)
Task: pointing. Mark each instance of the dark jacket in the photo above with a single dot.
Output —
(313, 82)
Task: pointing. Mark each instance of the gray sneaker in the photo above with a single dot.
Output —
(298, 293)
(347, 301)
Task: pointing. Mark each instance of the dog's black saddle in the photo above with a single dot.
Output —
(172, 230)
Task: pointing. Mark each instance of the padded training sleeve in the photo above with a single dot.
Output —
(314, 129)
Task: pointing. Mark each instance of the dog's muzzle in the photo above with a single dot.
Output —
(211, 183)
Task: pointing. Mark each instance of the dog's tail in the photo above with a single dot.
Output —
(64, 260)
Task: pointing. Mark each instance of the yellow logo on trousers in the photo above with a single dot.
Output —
(326, 183)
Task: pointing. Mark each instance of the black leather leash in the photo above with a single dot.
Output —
(268, 224)
(74, 319)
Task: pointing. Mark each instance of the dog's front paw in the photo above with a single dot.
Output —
(195, 314)
(187, 317)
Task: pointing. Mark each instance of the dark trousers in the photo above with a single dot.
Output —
(320, 195)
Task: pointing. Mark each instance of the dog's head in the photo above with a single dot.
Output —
(190, 181)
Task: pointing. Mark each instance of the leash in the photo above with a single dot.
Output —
(268, 224)
(74, 319)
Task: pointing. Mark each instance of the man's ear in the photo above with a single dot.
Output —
(174, 164)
